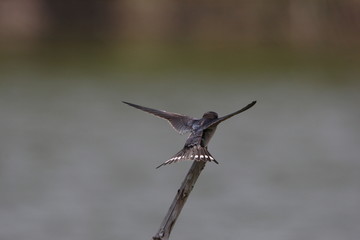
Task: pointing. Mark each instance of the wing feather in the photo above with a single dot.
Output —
(181, 123)
(221, 119)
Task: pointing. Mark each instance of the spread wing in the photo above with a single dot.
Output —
(181, 123)
(221, 119)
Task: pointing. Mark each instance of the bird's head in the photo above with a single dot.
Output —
(210, 115)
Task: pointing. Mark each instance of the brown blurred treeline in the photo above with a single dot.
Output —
(296, 23)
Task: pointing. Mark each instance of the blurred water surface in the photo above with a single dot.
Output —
(76, 163)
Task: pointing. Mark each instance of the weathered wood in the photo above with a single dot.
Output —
(179, 201)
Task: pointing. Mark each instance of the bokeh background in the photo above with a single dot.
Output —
(76, 163)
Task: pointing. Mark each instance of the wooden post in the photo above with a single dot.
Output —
(179, 201)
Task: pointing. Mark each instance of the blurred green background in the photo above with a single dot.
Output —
(76, 163)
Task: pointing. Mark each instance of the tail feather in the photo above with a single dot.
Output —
(195, 153)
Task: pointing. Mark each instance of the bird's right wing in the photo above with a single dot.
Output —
(181, 123)
(237, 112)
(221, 119)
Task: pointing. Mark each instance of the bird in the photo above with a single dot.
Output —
(200, 130)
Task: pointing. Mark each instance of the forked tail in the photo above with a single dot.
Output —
(195, 153)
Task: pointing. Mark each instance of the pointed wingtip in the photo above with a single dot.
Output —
(132, 104)
(160, 165)
(250, 105)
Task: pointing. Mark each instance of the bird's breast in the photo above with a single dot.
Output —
(207, 135)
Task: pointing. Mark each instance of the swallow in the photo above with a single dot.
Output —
(201, 131)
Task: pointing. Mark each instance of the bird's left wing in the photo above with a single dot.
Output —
(181, 123)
